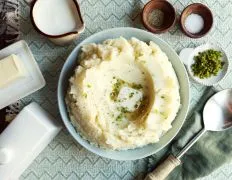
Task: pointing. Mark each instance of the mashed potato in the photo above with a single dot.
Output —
(124, 94)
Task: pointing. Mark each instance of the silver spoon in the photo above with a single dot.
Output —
(217, 116)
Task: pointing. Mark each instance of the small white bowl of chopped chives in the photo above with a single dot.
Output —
(207, 64)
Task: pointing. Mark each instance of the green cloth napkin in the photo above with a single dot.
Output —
(211, 151)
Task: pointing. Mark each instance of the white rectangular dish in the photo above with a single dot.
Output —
(33, 80)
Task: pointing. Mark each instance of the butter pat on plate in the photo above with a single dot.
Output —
(11, 69)
(20, 75)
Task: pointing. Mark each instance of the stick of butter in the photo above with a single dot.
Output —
(11, 69)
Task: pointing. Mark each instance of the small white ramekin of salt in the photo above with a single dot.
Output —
(194, 23)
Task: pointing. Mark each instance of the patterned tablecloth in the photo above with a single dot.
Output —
(63, 158)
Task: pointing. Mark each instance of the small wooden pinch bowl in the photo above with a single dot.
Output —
(169, 15)
(204, 12)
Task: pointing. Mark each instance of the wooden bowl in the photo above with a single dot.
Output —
(169, 15)
(204, 12)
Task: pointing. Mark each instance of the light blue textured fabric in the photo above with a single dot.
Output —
(63, 158)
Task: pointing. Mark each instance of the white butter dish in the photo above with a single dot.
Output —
(23, 87)
(25, 137)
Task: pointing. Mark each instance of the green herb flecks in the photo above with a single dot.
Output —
(121, 83)
(124, 110)
(116, 89)
(207, 64)
(156, 111)
(85, 95)
(131, 94)
(164, 115)
(119, 117)
(136, 86)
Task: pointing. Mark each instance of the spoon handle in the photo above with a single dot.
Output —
(189, 145)
(169, 164)
(164, 168)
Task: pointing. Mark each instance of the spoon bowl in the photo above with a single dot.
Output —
(217, 113)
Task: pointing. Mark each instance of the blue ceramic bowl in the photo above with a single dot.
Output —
(68, 71)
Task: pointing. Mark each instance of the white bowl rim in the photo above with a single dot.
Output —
(91, 147)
